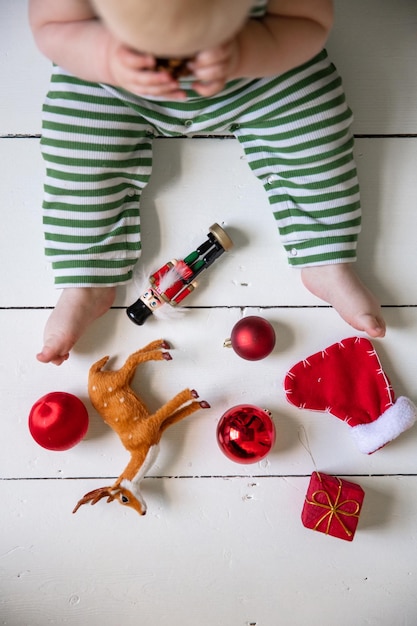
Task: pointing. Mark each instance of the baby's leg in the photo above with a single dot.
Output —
(340, 286)
(302, 151)
(99, 158)
(76, 309)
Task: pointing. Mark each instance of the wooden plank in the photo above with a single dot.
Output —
(208, 552)
(212, 182)
(220, 377)
(373, 45)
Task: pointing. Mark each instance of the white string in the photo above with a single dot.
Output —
(302, 434)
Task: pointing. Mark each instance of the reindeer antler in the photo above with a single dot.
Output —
(94, 496)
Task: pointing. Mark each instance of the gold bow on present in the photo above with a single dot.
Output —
(334, 509)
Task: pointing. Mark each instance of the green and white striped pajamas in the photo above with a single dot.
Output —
(97, 144)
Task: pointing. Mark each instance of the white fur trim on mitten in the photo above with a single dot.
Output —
(394, 421)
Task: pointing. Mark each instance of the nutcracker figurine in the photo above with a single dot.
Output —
(176, 279)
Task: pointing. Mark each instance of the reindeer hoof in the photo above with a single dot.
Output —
(205, 405)
(166, 356)
(165, 345)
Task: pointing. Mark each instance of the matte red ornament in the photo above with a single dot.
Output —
(246, 433)
(252, 338)
(58, 421)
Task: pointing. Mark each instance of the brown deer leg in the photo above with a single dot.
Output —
(173, 411)
(184, 412)
(155, 345)
(151, 352)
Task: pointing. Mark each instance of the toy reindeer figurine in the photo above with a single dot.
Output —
(139, 431)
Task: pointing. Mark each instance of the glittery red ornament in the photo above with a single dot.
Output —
(252, 338)
(58, 421)
(246, 433)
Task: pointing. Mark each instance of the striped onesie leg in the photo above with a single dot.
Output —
(99, 159)
(300, 146)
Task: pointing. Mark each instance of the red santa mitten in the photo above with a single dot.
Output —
(347, 380)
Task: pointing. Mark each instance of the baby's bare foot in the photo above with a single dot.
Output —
(341, 287)
(76, 309)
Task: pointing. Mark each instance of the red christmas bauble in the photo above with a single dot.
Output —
(58, 421)
(246, 433)
(253, 338)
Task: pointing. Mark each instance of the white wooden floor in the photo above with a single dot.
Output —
(222, 544)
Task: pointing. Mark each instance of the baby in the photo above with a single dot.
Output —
(257, 69)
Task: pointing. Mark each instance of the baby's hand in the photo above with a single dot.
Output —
(133, 71)
(214, 67)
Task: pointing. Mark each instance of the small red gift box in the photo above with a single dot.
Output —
(332, 506)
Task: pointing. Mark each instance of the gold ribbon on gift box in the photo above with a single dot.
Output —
(334, 509)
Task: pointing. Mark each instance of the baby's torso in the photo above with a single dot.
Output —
(258, 10)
